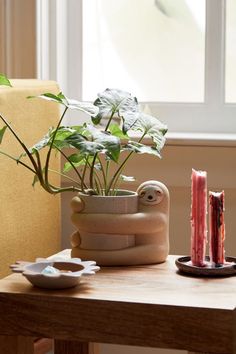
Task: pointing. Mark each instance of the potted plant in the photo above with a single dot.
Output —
(97, 153)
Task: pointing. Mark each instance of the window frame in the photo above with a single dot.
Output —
(60, 58)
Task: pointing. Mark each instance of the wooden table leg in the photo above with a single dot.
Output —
(16, 345)
(74, 347)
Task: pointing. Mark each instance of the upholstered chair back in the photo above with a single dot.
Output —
(29, 216)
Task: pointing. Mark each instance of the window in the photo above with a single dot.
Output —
(155, 49)
(176, 56)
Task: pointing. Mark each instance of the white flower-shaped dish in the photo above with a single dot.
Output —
(69, 272)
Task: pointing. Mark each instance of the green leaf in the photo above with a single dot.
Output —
(129, 120)
(111, 144)
(96, 119)
(85, 146)
(4, 80)
(76, 159)
(112, 102)
(86, 107)
(59, 142)
(61, 95)
(147, 123)
(62, 133)
(2, 131)
(41, 144)
(151, 127)
(75, 139)
(90, 147)
(82, 130)
(142, 149)
(115, 130)
(50, 97)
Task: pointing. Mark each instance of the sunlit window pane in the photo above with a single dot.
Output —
(230, 64)
(152, 48)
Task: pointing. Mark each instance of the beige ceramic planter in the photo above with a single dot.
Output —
(126, 202)
(127, 229)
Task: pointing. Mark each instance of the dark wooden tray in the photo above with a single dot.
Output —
(229, 268)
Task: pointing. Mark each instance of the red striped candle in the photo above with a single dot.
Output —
(217, 227)
(198, 218)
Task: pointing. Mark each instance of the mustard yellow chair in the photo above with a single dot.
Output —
(30, 217)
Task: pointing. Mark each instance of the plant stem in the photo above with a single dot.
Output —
(115, 184)
(17, 161)
(72, 165)
(67, 189)
(107, 174)
(64, 189)
(99, 181)
(51, 190)
(103, 174)
(109, 121)
(98, 187)
(83, 174)
(39, 170)
(119, 170)
(51, 146)
(92, 171)
(54, 190)
(48, 187)
(21, 143)
(63, 175)
(95, 156)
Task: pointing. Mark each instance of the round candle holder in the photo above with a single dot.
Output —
(184, 265)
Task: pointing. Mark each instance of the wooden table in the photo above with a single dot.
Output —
(151, 306)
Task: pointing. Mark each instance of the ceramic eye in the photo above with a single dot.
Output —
(159, 195)
(150, 195)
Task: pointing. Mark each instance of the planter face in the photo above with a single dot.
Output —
(131, 228)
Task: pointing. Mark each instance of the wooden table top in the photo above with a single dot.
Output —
(139, 305)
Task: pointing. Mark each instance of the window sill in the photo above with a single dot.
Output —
(201, 139)
(195, 139)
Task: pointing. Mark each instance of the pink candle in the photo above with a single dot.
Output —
(217, 227)
(198, 218)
